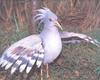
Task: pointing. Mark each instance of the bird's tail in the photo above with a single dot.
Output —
(73, 38)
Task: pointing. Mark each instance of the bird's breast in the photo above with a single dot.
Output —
(52, 45)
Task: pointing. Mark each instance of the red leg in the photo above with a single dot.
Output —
(41, 73)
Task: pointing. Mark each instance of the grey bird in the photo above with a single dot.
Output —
(35, 49)
(41, 48)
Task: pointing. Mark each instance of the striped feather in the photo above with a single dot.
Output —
(24, 63)
(72, 38)
(16, 65)
(31, 62)
(40, 60)
(22, 56)
(11, 60)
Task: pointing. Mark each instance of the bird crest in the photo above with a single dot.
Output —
(44, 14)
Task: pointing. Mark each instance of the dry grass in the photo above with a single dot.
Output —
(83, 15)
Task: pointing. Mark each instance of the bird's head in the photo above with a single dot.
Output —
(47, 17)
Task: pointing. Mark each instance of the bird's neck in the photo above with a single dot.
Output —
(49, 29)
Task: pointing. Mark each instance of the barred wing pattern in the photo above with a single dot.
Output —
(73, 38)
(23, 55)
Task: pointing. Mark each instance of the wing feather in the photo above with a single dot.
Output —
(31, 62)
(72, 38)
(23, 54)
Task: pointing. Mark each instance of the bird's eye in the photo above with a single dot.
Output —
(50, 19)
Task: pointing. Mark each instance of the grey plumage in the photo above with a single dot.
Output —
(33, 50)
(73, 38)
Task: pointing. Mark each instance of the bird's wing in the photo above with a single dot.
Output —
(72, 38)
(23, 54)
